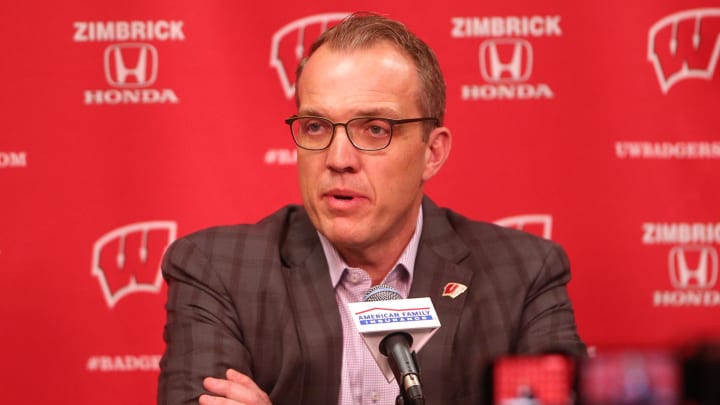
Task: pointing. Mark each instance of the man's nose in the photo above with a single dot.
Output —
(342, 156)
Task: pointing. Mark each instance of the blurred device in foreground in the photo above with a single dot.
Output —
(701, 374)
(630, 378)
(533, 380)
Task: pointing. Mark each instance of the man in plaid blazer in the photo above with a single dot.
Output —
(257, 313)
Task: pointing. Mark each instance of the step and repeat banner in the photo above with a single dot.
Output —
(124, 126)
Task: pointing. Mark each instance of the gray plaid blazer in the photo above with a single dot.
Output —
(258, 298)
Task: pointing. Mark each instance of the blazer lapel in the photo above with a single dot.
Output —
(315, 310)
(437, 265)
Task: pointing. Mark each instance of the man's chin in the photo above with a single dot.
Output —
(345, 233)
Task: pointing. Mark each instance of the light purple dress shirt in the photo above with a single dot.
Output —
(362, 382)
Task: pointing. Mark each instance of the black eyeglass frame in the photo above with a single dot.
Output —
(390, 121)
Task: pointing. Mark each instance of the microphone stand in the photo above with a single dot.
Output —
(404, 399)
(409, 382)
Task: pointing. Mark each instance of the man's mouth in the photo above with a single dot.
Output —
(343, 197)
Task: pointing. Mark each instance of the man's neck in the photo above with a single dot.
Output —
(380, 258)
(376, 262)
(342, 257)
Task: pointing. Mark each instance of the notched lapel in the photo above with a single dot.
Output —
(314, 308)
(439, 262)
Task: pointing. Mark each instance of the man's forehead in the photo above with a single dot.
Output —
(373, 81)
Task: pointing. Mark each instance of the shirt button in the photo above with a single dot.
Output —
(374, 396)
(354, 278)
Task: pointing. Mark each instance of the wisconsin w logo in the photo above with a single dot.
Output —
(685, 45)
(537, 224)
(126, 260)
(292, 42)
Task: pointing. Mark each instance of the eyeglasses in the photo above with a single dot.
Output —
(365, 133)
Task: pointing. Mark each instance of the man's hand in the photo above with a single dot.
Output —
(237, 389)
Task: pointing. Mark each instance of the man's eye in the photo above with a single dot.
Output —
(314, 127)
(377, 128)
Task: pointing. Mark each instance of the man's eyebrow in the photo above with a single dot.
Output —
(309, 112)
(378, 112)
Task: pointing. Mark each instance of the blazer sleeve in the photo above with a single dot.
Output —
(548, 322)
(202, 334)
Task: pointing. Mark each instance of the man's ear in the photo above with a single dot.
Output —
(437, 151)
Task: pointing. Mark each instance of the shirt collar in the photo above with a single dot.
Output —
(337, 265)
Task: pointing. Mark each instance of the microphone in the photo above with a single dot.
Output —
(396, 346)
(382, 313)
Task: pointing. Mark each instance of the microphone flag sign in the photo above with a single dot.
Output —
(376, 319)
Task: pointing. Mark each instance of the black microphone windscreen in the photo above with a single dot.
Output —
(381, 292)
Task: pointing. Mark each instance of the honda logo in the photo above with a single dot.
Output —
(693, 266)
(127, 259)
(685, 45)
(506, 60)
(291, 43)
(537, 224)
(131, 65)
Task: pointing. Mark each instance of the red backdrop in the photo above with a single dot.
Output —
(126, 125)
